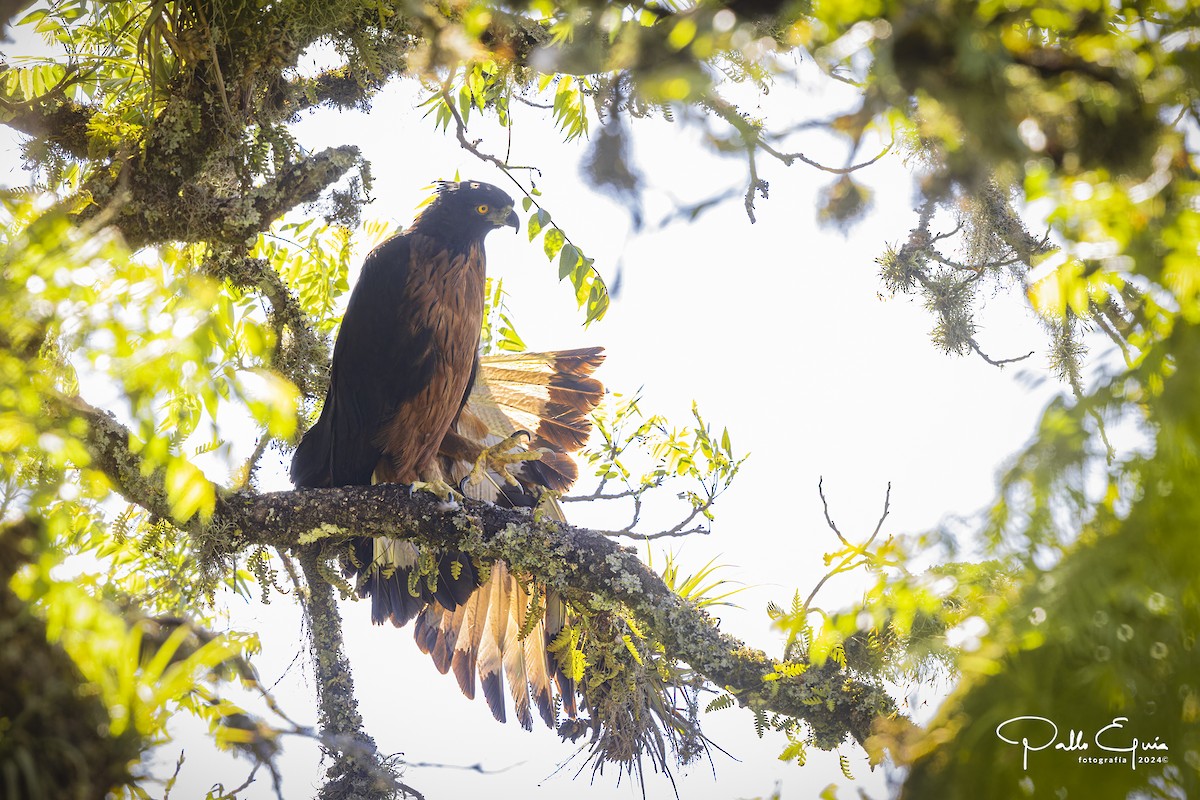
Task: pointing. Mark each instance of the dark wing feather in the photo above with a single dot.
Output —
(375, 370)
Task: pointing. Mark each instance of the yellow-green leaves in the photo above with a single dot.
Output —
(591, 293)
(142, 680)
(1067, 287)
(314, 260)
(273, 401)
(700, 587)
(1181, 265)
(570, 113)
(188, 491)
(499, 333)
(553, 242)
(567, 651)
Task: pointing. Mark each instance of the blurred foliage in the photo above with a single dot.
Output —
(1054, 150)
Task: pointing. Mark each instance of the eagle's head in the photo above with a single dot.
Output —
(468, 208)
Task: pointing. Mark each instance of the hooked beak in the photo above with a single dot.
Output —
(505, 215)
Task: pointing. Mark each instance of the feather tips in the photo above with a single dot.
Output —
(485, 636)
(548, 394)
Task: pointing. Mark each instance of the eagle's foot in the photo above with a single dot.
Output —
(497, 458)
(438, 487)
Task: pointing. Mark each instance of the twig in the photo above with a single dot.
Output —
(232, 794)
(996, 362)
(170, 783)
(472, 768)
(756, 185)
(846, 563)
(1117, 339)
(599, 495)
(247, 470)
(531, 104)
(789, 158)
(825, 503)
(460, 131)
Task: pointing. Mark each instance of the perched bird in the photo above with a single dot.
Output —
(411, 401)
(407, 348)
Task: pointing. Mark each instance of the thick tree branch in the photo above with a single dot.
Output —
(108, 442)
(581, 564)
(51, 118)
(357, 770)
(197, 213)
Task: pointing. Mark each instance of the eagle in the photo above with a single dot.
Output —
(412, 401)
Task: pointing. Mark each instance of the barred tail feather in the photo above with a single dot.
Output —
(548, 394)
(537, 661)
(514, 655)
(491, 647)
(466, 648)
(477, 632)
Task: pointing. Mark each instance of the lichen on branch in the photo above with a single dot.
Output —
(585, 566)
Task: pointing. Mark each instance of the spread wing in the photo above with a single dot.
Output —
(503, 631)
(548, 395)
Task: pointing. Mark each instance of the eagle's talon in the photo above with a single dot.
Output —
(497, 458)
(438, 487)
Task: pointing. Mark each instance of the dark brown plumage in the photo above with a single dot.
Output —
(410, 400)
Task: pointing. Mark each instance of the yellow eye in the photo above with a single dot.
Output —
(482, 209)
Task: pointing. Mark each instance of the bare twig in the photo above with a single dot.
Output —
(246, 473)
(531, 104)
(825, 504)
(233, 793)
(789, 158)
(993, 361)
(471, 768)
(598, 494)
(756, 185)
(856, 551)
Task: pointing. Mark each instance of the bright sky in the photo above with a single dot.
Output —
(777, 329)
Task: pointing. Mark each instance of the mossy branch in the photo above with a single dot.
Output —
(56, 740)
(358, 771)
(581, 564)
(52, 118)
(197, 213)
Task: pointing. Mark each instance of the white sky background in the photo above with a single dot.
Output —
(777, 329)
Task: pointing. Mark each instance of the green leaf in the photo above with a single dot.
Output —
(537, 222)
(568, 260)
(597, 304)
(188, 491)
(553, 242)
